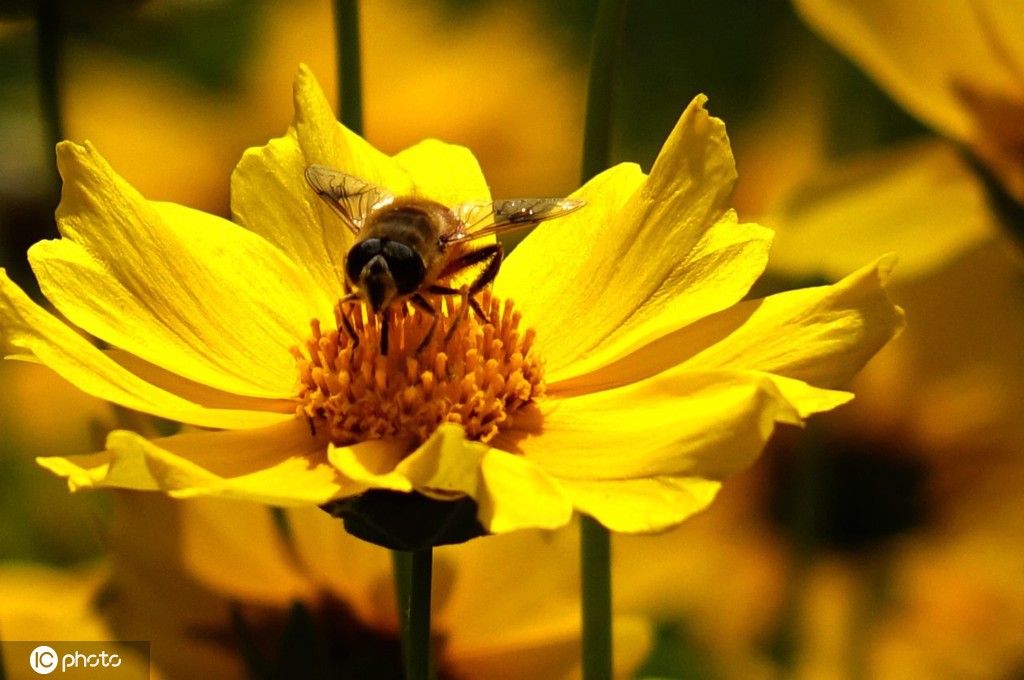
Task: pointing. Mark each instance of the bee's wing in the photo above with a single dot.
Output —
(349, 196)
(486, 218)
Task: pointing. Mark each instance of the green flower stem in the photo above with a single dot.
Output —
(411, 570)
(401, 570)
(416, 617)
(595, 541)
(49, 57)
(802, 519)
(596, 578)
(350, 73)
(604, 68)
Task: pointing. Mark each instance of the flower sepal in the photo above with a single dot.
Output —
(407, 521)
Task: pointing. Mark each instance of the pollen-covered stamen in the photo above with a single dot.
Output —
(472, 372)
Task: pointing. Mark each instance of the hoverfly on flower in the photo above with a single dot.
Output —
(409, 247)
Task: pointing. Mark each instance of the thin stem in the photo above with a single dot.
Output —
(604, 68)
(802, 517)
(401, 570)
(49, 58)
(595, 541)
(418, 664)
(350, 75)
(596, 577)
(49, 51)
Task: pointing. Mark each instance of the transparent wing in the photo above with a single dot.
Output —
(349, 196)
(486, 218)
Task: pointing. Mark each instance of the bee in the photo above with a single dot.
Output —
(409, 247)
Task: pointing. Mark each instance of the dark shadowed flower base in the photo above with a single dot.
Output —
(407, 521)
(848, 495)
(320, 641)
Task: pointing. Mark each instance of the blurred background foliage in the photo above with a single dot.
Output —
(173, 91)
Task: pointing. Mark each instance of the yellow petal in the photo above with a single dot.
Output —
(372, 463)
(511, 493)
(667, 250)
(183, 290)
(277, 465)
(153, 595)
(44, 603)
(447, 465)
(446, 173)
(918, 200)
(356, 570)
(679, 423)
(551, 650)
(821, 336)
(270, 195)
(541, 623)
(194, 392)
(236, 549)
(641, 505)
(29, 329)
(518, 494)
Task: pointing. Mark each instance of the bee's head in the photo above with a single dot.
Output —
(384, 271)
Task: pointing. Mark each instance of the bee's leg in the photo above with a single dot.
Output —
(466, 301)
(385, 325)
(491, 254)
(494, 254)
(424, 305)
(346, 325)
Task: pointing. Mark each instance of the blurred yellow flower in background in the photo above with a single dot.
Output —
(882, 543)
(662, 362)
(43, 603)
(139, 116)
(956, 65)
(39, 519)
(201, 577)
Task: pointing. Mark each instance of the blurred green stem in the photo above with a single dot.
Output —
(416, 618)
(604, 72)
(350, 74)
(411, 571)
(802, 518)
(596, 579)
(595, 541)
(401, 570)
(49, 59)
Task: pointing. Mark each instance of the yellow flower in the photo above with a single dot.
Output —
(956, 65)
(194, 576)
(628, 381)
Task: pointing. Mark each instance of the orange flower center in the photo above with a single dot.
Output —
(473, 372)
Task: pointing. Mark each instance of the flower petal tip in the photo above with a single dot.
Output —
(77, 477)
(883, 270)
(71, 152)
(305, 82)
(884, 266)
(699, 102)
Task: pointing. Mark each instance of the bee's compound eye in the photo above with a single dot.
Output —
(358, 257)
(406, 266)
